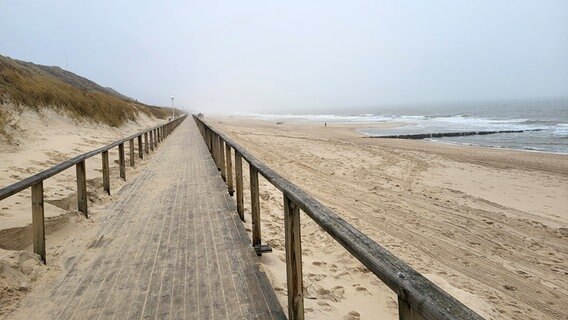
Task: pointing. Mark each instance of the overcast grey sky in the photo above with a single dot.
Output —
(283, 56)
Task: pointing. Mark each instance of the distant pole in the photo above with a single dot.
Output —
(173, 112)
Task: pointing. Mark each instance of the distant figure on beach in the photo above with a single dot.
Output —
(325, 124)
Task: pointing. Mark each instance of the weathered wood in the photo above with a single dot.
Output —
(255, 205)
(38, 222)
(239, 178)
(121, 162)
(82, 188)
(428, 299)
(222, 159)
(151, 140)
(28, 182)
(140, 148)
(293, 260)
(146, 143)
(216, 151)
(229, 163)
(131, 146)
(155, 138)
(406, 312)
(106, 172)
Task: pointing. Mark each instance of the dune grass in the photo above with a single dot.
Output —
(22, 84)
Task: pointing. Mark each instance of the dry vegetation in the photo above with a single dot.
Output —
(37, 87)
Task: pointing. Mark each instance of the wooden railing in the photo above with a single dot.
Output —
(418, 298)
(152, 137)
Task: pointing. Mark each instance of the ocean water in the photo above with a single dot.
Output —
(548, 115)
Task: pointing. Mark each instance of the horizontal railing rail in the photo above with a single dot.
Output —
(152, 137)
(418, 297)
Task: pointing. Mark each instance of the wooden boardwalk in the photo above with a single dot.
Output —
(172, 247)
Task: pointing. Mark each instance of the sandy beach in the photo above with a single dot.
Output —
(489, 226)
(42, 141)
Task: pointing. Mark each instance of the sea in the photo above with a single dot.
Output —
(548, 116)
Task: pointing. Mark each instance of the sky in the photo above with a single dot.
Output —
(299, 56)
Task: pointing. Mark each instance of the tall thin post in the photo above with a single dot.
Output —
(106, 172)
(239, 178)
(406, 312)
(155, 138)
(146, 144)
(131, 146)
(121, 162)
(222, 159)
(255, 204)
(140, 150)
(229, 164)
(293, 260)
(82, 188)
(38, 222)
(151, 140)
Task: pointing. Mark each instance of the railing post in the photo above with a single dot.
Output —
(121, 162)
(38, 223)
(131, 146)
(222, 158)
(151, 140)
(255, 204)
(239, 178)
(106, 172)
(146, 144)
(406, 312)
(140, 150)
(229, 164)
(216, 150)
(82, 188)
(293, 260)
(155, 138)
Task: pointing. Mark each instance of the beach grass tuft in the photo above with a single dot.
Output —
(30, 85)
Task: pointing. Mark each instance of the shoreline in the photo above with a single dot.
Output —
(486, 224)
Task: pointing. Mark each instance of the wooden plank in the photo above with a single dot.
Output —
(229, 162)
(106, 172)
(406, 312)
(255, 205)
(140, 148)
(131, 146)
(146, 144)
(38, 222)
(222, 159)
(151, 140)
(293, 260)
(121, 162)
(424, 296)
(239, 178)
(82, 188)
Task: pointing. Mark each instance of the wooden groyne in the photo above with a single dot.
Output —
(419, 136)
(152, 137)
(418, 297)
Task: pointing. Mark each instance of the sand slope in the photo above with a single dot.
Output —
(489, 226)
(43, 140)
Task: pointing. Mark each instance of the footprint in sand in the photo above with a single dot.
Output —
(324, 306)
(352, 315)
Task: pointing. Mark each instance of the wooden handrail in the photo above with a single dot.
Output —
(28, 182)
(36, 181)
(418, 297)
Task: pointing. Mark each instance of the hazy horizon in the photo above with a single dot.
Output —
(289, 57)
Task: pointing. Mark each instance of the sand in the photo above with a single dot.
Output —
(42, 141)
(490, 226)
